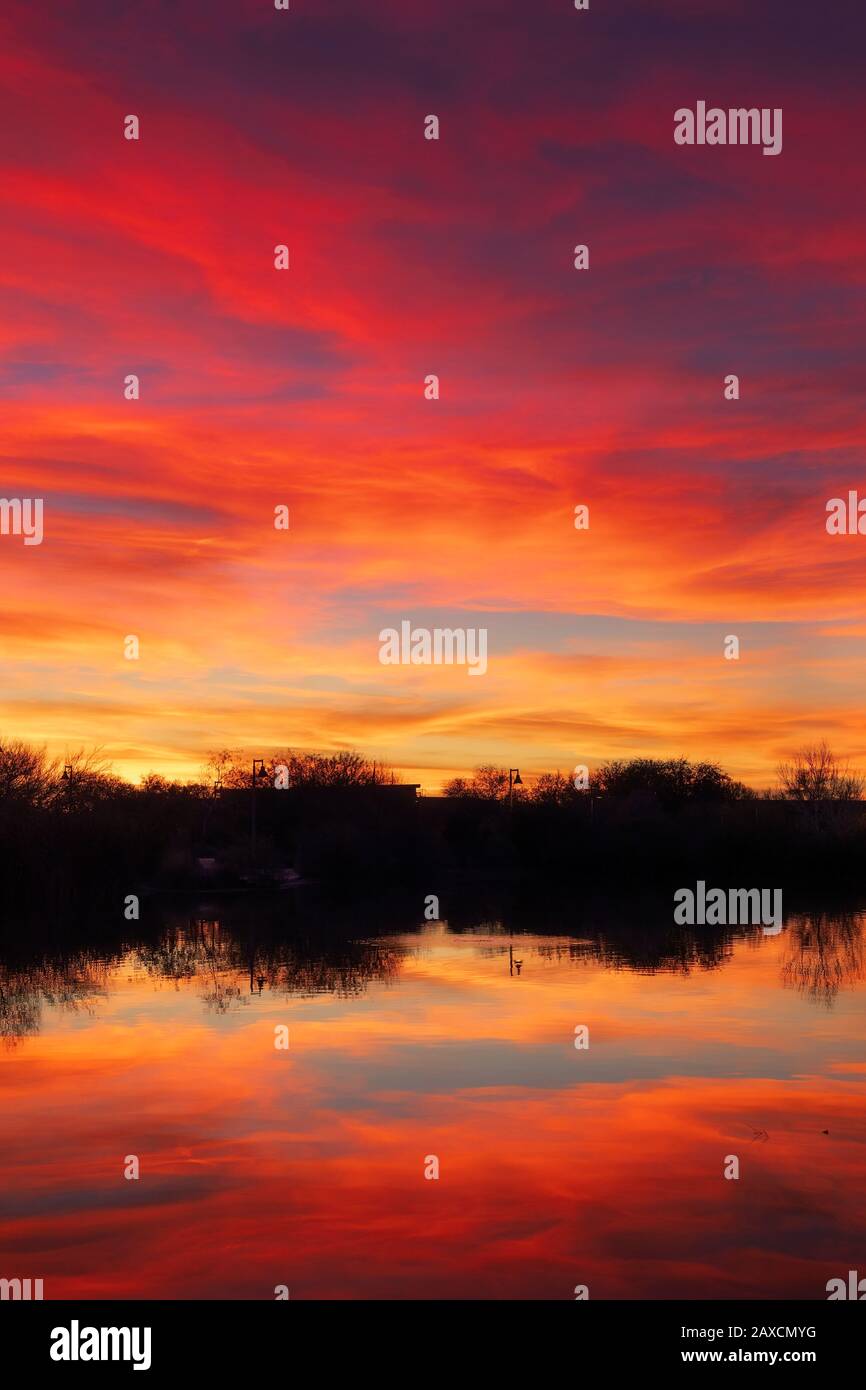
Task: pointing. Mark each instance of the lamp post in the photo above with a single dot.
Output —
(258, 771)
(217, 788)
(514, 780)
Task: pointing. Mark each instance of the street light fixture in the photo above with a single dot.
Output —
(514, 780)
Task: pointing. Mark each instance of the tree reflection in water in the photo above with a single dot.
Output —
(243, 954)
(824, 952)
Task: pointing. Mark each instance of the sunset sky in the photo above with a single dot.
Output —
(409, 257)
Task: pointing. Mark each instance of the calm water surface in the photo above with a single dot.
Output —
(558, 1167)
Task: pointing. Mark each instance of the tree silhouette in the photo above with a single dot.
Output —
(816, 774)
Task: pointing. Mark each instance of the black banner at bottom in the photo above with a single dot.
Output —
(352, 1338)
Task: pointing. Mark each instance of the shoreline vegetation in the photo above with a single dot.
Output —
(75, 835)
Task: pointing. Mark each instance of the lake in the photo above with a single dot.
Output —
(408, 1040)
